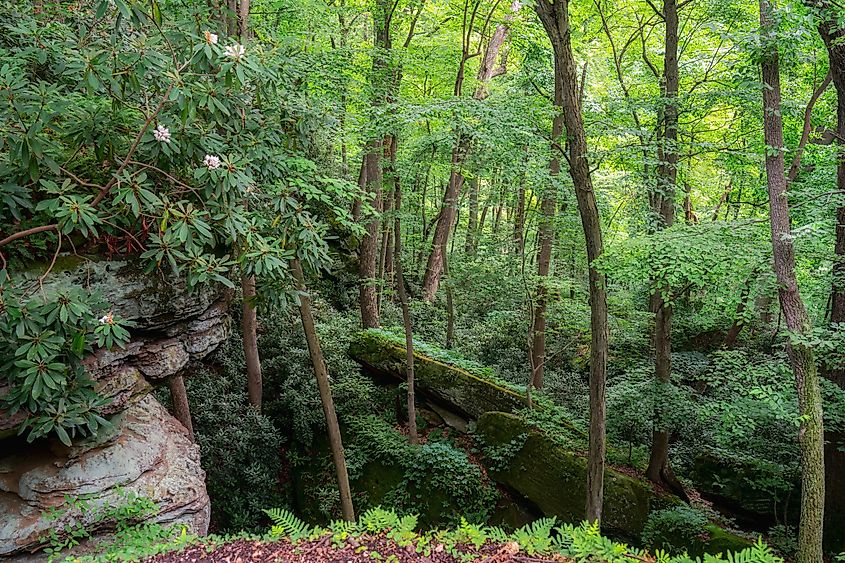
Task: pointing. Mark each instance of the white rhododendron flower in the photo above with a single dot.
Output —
(211, 162)
(107, 319)
(162, 134)
(210, 38)
(235, 51)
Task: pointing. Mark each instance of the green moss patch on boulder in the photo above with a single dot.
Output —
(555, 480)
(456, 388)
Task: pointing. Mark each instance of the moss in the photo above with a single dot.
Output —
(555, 480)
(719, 541)
(456, 388)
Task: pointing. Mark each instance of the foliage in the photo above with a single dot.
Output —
(239, 447)
(43, 338)
(542, 537)
(672, 529)
(128, 130)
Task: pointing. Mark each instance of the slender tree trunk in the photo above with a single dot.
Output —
(519, 216)
(406, 321)
(811, 432)
(181, 408)
(545, 239)
(369, 253)
(335, 441)
(250, 342)
(833, 36)
(663, 206)
(555, 19)
(450, 306)
(243, 20)
(472, 223)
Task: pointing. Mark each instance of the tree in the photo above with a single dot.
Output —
(320, 372)
(799, 348)
(406, 320)
(663, 206)
(487, 71)
(554, 16)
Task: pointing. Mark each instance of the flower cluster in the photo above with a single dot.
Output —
(211, 162)
(210, 38)
(236, 51)
(162, 134)
(107, 319)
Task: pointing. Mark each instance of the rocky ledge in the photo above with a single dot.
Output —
(147, 454)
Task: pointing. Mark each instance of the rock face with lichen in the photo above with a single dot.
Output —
(147, 453)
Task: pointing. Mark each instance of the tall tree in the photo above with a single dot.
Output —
(372, 173)
(487, 71)
(800, 351)
(554, 14)
(662, 199)
(406, 320)
(833, 34)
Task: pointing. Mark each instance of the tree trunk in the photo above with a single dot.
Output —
(406, 321)
(811, 433)
(250, 342)
(545, 238)
(181, 408)
(369, 253)
(519, 216)
(555, 18)
(472, 223)
(663, 206)
(243, 20)
(834, 38)
(450, 306)
(320, 372)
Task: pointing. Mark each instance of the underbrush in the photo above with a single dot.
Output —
(542, 540)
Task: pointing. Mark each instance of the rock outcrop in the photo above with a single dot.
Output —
(555, 480)
(457, 389)
(147, 453)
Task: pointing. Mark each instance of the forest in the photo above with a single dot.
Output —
(422, 280)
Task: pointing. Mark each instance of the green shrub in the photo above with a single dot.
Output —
(673, 529)
(239, 446)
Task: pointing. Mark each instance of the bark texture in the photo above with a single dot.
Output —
(811, 434)
(555, 19)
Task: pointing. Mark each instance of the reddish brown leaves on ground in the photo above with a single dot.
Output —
(354, 550)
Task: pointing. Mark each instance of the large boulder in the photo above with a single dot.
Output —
(451, 387)
(147, 455)
(554, 479)
(546, 475)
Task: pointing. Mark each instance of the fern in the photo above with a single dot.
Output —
(379, 520)
(287, 524)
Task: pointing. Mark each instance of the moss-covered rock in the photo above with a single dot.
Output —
(536, 467)
(453, 387)
(555, 480)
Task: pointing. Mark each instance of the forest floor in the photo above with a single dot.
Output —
(355, 550)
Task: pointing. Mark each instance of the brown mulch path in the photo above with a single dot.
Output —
(354, 550)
